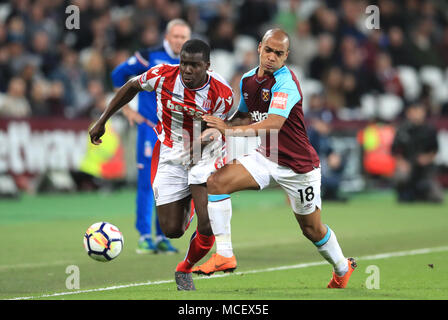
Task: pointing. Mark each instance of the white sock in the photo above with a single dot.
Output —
(331, 251)
(143, 237)
(220, 213)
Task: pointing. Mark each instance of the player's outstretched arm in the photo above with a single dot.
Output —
(122, 97)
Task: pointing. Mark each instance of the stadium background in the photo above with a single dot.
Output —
(54, 81)
(57, 78)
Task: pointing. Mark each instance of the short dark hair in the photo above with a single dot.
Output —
(197, 46)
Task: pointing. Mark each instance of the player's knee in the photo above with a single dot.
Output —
(214, 186)
(174, 233)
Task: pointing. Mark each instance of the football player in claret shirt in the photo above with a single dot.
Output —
(271, 95)
(177, 32)
(185, 93)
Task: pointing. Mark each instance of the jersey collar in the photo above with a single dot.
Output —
(279, 70)
(265, 76)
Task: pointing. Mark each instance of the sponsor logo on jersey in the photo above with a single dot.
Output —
(186, 109)
(258, 116)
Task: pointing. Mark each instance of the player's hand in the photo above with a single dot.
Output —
(96, 132)
(214, 122)
(193, 153)
(135, 117)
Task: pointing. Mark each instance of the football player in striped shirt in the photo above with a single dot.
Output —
(177, 32)
(185, 93)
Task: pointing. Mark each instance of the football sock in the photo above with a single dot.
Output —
(200, 245)
(329, 248)
(143, 237)
(220, 213)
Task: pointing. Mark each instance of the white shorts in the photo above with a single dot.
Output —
(171, 180)
(303, 189)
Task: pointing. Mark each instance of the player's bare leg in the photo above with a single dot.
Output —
(311, 225)
(173, 217)
(327, 244)
(199, 193)
(201, 241)
(231, 178)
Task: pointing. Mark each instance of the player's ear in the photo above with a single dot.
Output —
(207, 65)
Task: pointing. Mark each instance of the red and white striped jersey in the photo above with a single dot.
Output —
(178, 106)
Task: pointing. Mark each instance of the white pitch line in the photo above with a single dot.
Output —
(289, 267)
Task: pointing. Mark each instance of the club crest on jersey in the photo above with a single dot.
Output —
(206, 106)
(265, 94)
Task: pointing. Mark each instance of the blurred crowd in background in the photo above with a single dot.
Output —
(47, 69)
(347, 70)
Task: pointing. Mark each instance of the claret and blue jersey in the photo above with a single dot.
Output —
(279, 93)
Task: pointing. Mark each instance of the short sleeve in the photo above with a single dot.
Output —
(150, 79)
(233, 110)
(285, 95)
(242, 107)
(225, 109)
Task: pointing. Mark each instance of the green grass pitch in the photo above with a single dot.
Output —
(41, 236)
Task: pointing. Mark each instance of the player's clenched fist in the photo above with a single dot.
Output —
(96, 132)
